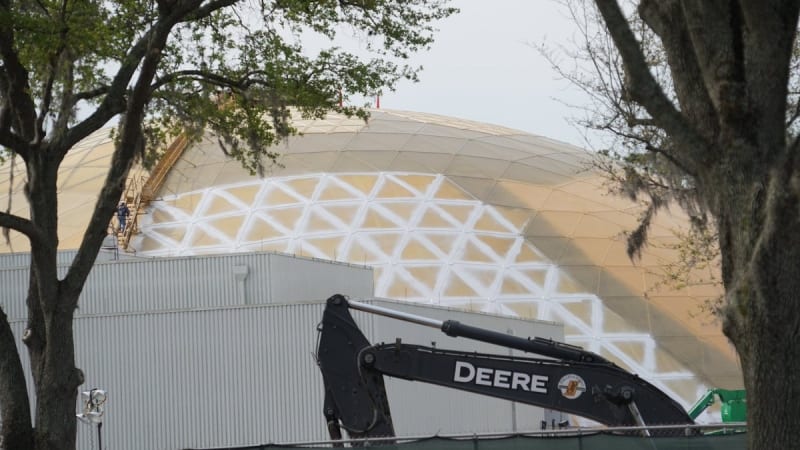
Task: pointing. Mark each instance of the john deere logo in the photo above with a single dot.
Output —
(571, 386)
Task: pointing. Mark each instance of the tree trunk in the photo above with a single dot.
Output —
(761, 319)
(50, 314)
(58, 386)
(17, 433)
(773, 394)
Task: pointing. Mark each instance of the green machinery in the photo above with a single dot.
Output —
(733, 404)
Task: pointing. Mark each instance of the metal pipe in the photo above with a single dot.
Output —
(420, 320)
(455, 328)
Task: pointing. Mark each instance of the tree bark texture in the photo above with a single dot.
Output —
(51, 301)
(49, 67)
(17, 432)
(729, 63)
(763, 322)
(49, 334)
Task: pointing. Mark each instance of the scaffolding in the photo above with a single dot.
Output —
(142, 186)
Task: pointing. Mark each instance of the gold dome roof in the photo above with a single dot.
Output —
(462, 214)
(447, 211)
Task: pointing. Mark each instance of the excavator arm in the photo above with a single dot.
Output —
(355, 397)
(575, 381)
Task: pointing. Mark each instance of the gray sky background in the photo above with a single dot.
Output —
(483, 66)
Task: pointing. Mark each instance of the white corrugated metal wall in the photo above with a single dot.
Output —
(217, 351)
(228, 376)
(159, 284)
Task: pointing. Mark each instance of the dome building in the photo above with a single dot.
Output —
(447, 212)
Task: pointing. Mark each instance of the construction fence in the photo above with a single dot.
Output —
(720, 440)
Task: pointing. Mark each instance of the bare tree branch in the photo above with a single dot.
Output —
(17, 90)
(715, 30)
(54, 60)
(644, 88)
(88, 95)
(771, 34)
(14, 142)
(207, 9)
(665, 18)
(22, 225)
(114, 102)
(11, 168)
(68, 102)
(208, 76)
(130, 142)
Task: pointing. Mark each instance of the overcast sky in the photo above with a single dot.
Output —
(483, 67)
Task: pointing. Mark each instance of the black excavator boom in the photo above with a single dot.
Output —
(570, 379)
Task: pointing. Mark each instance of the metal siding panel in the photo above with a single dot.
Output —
(197, 282)
(223, 377)
(12, 260)
(15, 291)
(63, 258)
(291, 276)
(227, 375)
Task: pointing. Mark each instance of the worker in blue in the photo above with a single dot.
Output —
(122, 216)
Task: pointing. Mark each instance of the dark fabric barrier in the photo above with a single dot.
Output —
(596, 441)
